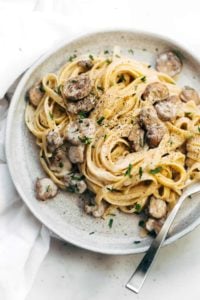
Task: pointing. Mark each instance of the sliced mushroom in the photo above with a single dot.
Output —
(96, 210)
(86, 105)
(45, 188)
(80, 132)
(75, 183)
(60, 162)
(136, 138)
(166, 110)
(155, 134)
(189, 94)
(157, 208)
(77, 88)
(54, 140)
(85, 64)
(76, 154)
(155, 92)
(35, 94)
(154, 225)
(169, 63)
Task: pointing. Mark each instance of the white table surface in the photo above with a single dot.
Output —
(71, 273)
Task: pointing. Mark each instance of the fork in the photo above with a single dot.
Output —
(136, 281)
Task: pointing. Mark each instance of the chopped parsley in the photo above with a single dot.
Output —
(131, 51)
(51, 115)
(48, 188)
(106, 52)
(85, 140)
(111, 189)
(143, 79)
(105, 137)
(121, 78)
(58, 89)
(100, 120)
(72, 57)
(140, 172)
(198, 128)
(128, 171)
(188, 113)
(137, 242)
(91, 57)
(138, 207)
(108, 61)
(82, 114)
(110, 223)
(116, 55)
(72, 189)
(76, 177)
(141, 223)
(149, 66)
(61, 165)
(91, 232)
(156, 170)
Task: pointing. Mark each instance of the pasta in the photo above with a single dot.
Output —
(121, 172)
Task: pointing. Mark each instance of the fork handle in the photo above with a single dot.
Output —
(137, 279)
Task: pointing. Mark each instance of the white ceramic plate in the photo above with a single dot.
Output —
(64, 214)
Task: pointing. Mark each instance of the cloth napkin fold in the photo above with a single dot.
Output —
(24, 242)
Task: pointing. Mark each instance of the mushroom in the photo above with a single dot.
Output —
(168, 62)
(157, 208)
(77, 87)
(136, 138)
(45, 188)
(82, 132)
(35, 94)
(75, 183)
(155, 92)
(60, 163)
(189, 94)
(84, 105)
(76, 154)
(54, 140)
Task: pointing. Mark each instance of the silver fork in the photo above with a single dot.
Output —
(137, 279)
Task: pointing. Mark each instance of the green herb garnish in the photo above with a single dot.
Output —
(91, 232)
(131, 51)
(149, 66)
(78, 178)
(85, 140)
(106, 52)
(121, 78)
(82, 114)
(128, 171)
(116, 55)
(141, 223)
(110, 223)
(48, 188)
(143, 79)
(198, 128)
(72, 189)
(51, 115)
(138, 207)
(140, 172)
(188, 113)
(72, 57)
(91, 57)
(58, 89)
(111, 189)
(137, 242)
(156, 170)
(105, 137)
(108, 61)
(100, 120)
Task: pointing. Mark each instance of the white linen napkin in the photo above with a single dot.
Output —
(24, 242)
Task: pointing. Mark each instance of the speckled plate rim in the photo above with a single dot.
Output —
(15, 98)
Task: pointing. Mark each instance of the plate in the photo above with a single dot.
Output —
(64, 214)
